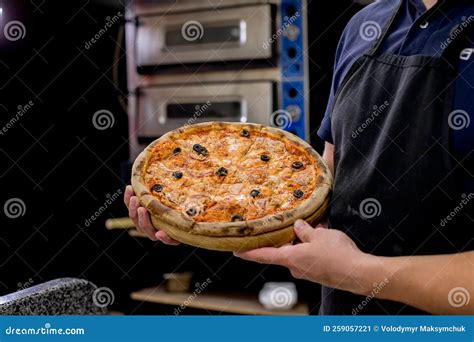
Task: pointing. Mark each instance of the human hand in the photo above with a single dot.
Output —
(141, 219)
(325, 256)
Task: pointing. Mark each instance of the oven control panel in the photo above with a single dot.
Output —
(293, 65)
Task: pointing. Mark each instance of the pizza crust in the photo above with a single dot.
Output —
(272, 230)
(275, 238)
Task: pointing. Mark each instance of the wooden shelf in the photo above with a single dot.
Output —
(240, 303)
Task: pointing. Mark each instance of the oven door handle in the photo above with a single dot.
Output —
(193, 34)
(193, 109)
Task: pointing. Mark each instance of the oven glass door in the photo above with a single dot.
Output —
(164, 108)
(240, 33)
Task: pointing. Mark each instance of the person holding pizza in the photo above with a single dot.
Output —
(401, 148)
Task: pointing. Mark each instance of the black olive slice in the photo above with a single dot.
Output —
(177, 174)
(297, 165)
(264, 157)
(298, 193)
(254, 193)
(157, 188)
(222, 172)
(201, 150)
(236, 218)
(177, 150)
(191, 212)
(245, 133)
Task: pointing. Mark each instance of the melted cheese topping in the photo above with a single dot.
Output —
(249, 188)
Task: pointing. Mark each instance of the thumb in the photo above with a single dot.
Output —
(303, 230)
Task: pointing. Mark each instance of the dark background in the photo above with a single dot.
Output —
(63, 168)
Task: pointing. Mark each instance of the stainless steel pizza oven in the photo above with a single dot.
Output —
(163, 108)
(226, 34)
(222, 60)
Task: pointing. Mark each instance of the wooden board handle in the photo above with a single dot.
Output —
(119, 223)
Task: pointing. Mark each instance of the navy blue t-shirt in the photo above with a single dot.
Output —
(412, 35)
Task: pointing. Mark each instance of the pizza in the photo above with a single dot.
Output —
(231, 186)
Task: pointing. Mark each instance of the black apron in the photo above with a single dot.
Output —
(395, 179)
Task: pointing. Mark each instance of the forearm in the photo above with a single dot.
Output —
(424, 282)
(328, 156)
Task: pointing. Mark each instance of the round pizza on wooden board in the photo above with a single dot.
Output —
(231, 186)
